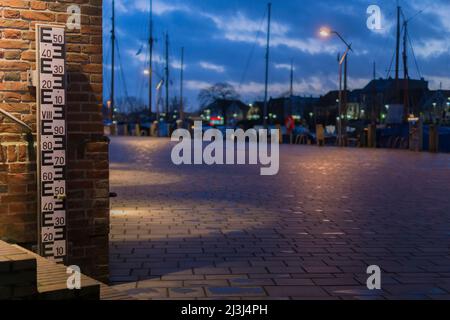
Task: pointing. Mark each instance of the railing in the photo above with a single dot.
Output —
(22, 124)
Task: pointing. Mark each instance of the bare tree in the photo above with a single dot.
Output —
(216, 92)
(175, 103)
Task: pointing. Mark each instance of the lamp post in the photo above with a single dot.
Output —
(325, 32)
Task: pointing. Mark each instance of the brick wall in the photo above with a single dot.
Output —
(87, 184)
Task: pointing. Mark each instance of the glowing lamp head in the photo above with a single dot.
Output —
(325, 32)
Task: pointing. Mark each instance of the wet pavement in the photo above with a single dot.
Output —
(225, 232)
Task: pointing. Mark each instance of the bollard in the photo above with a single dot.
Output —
(137, 130)
(362, 138)
(106, 130)
(372, 136)
(416, 135)
(434, 138)
(154, 130)
(113, 129)
(280, 134)
(320, 134)
(125, 130)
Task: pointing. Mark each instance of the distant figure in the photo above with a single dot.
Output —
(154, 129)
(171, 128)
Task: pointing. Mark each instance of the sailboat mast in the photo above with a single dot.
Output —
(405, 70)
(374, 70)
(397, 49)
(397, 55)
(181, 86)
(113, 42)
(267, 66)
(150, 70)
(167, 74)
(374, 111)
(291, 89)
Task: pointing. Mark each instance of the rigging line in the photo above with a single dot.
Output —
(247, 65)
(141, 84)
(108, 49)
(157, 61)
(414, 55)
(108, 91)
(107, 79)
(144, 35)
(393, 56)
(390, 66)
(127, 97)
(145, 27)
(144, 30)
(414, 16)
(390, 14)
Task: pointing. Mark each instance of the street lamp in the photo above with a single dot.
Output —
(327, 32)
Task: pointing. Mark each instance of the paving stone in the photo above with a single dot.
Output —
(236, 291)
(294, 282)
(186, 292)
(322, 270)
(147, 293)
(296, 291)
(158, 284)
(205, 283)
(305, 236)
(353, 291)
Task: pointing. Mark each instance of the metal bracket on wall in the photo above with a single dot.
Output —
(32, 78)
(22, 124)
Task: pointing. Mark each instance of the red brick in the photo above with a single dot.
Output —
(37, 16)
(13, 44)
(38, 5)
(18, 177)
(14, 65)
(11, 14)
(14, 3)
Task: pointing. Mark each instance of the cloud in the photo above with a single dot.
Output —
(436, 81)
(429, 48)
(283, 66)
(241, 23)
(436, 8)
(438, 12)
(160, 7)
(309, 45)
(212, 67)
(221, 37)
(196, 85)
(121, 6)
(314, 84)
(240, 28)
(177, 65)
(157, 59)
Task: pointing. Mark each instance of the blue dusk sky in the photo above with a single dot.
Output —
(224, 41)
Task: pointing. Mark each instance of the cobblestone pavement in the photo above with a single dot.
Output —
(308, 233)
